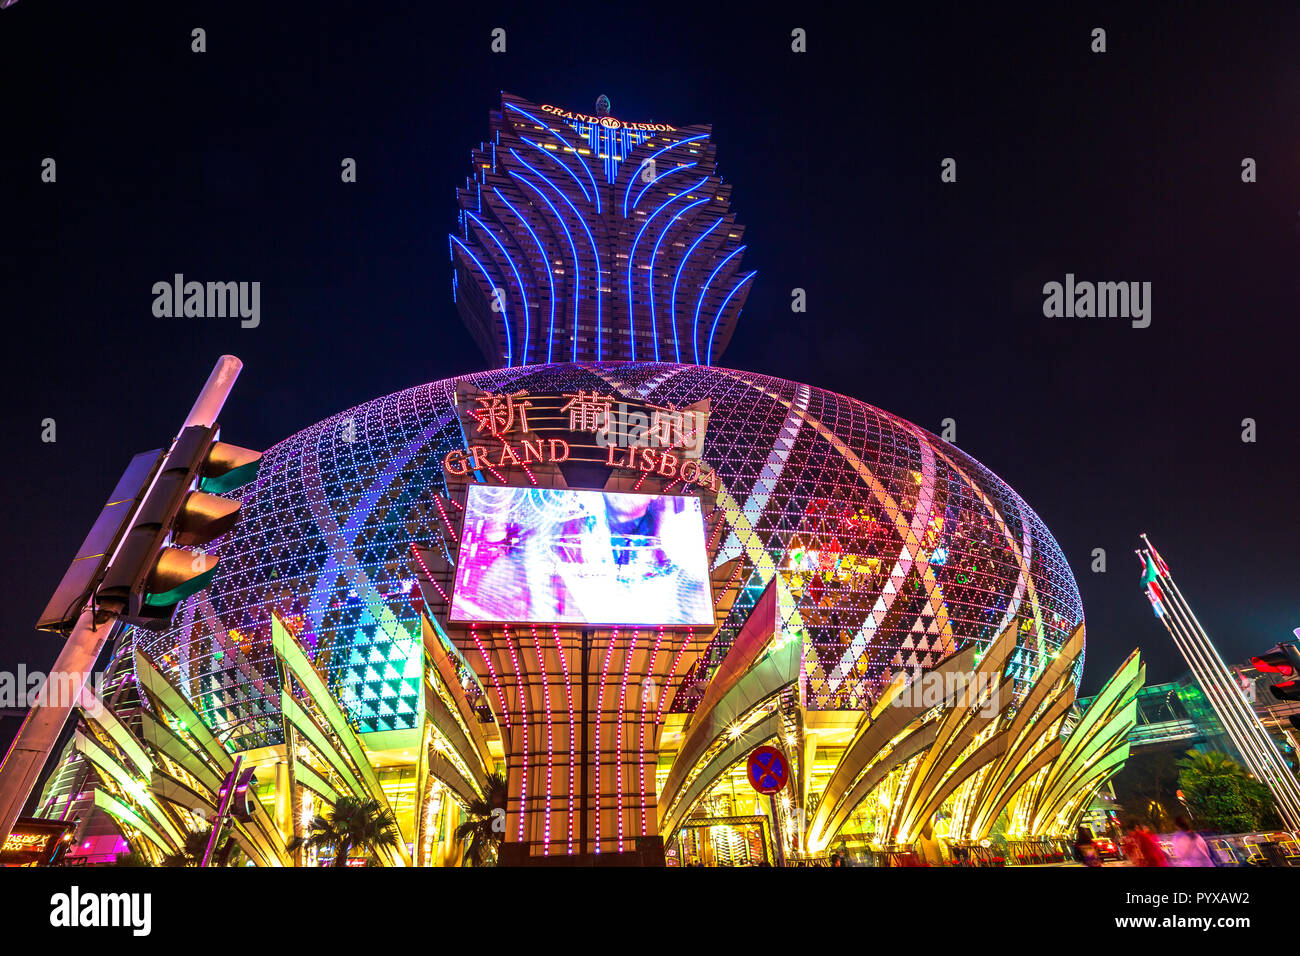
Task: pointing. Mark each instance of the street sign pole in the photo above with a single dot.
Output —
(768, 772)
(228, 794)
(776, 831)
(22, 765)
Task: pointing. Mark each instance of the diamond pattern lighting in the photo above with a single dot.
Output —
(894, 547)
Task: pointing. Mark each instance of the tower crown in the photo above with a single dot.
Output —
(587, 238)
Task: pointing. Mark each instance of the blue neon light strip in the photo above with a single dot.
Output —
(523, 293)
(654, 254)
(631, 261)
(577, 272)
(681, 267)
(491, 286)
(614, 145)
(723, 308)
(632, 178)
(695, 332)
(551, 153)
(595, 190)
(550, 278)
(595, 253)
(628, 141)
(657, 179)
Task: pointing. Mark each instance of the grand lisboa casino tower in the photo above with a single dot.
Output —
(608, 568)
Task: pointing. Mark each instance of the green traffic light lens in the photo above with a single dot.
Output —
(235, 478)
(182, 590)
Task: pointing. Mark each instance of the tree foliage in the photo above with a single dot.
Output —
(1222, 797)
(485, 828)
(354, 824)
(195, 845)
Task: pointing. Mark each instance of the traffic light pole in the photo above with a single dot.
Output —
(40, 730)
(22, 765)
(215, 392)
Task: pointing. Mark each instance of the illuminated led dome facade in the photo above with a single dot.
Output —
(896, 547)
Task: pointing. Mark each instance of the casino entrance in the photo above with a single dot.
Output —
(723, 841)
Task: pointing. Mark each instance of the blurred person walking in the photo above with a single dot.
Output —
(1190, 848)
(1143, 848)
(1085, 851)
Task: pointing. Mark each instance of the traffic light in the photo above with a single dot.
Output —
(152, 571)
(131, 566)
(1283, 659)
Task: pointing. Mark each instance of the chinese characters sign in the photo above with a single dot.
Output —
(516, 429)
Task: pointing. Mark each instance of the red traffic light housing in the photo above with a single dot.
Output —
(1283, 659)
(1273, 662)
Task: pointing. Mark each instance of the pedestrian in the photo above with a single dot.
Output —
(1085, 851)
(1190, 848)
(1128, 843)
(1143, 848)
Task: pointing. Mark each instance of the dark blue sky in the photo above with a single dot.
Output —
(923, 298)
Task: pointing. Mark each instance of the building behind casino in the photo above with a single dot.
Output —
(505, 570)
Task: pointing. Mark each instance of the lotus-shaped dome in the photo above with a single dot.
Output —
(895, 548)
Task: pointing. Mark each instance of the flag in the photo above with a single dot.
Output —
(1150, 582)
(1150, 575)
(1156, 606)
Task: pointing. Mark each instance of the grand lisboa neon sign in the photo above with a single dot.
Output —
(608, 122)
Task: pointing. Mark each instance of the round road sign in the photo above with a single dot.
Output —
(767, 770)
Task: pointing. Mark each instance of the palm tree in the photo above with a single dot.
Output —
(355, 824)
(486, 827)
(1222, 795)
(195, 846)
(1211, 765)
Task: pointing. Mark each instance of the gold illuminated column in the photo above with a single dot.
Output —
(579, 707)
(580, 712)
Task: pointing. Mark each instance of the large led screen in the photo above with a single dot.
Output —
(552, 556)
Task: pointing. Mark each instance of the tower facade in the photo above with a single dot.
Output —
(586, 238)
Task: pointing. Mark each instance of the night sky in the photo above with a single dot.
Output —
(924, 298)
